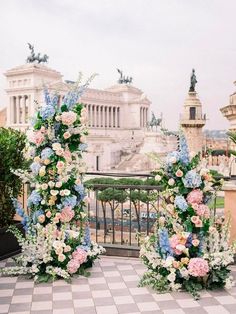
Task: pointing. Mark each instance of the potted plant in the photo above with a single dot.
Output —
(12, 144)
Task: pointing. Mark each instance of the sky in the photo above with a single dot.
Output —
(157, 42)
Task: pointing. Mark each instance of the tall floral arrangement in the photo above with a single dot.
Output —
(189, 250)
(57, 241)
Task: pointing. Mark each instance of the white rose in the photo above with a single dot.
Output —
(61, 258)
(180, 247)
(54, 192)
(168, 262)
(51, 184)
(173, 160)
(56, 146)
(158, 177)
(171, 277)
(58, 184)
(171, 181)
(44, 186)
(66, 192)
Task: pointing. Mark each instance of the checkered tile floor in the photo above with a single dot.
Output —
(111, 288)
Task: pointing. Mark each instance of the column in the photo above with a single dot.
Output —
(141, 118)
(17, 109)
(93, 118)
(98, 116)
(105, 117)
(23, 108)
(26, 109)
(115, 117)
(101, 116)
(89, 115)
(118, 117)
(112, 117)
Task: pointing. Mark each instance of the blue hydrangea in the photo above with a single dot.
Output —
(192, 179)
(79, 188)
(34, 198)
(46, 153)
(83, 147)
(181, 203)
(183, 150)
(164, 243)
(35, 166)
(70, 201)
(20, 211)
(36, 214)
(47, 112)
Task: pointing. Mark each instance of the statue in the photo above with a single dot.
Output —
(154, 122)
(193, 81)
(33, 57)
(123, 79)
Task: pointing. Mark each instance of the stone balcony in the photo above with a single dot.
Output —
(112, 288)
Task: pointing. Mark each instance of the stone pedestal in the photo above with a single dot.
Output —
(230, 207)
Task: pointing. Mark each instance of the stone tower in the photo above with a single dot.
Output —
(192, 120)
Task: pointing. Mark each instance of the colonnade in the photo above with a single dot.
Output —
(143, 117)
(103, 116)
(19, 109)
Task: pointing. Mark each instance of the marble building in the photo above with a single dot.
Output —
(118, 117)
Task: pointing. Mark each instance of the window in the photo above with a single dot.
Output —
(97, 163)
(192, 113)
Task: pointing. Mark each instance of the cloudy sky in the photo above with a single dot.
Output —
(158, 42)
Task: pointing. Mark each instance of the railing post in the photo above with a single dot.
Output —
(230, 206)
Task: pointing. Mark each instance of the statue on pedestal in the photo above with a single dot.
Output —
(36, 58)
(154, 122)
(193, 81)
(123, 79)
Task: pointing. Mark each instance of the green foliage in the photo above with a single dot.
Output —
(12, 144)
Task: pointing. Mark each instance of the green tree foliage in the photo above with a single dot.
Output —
(12, 144)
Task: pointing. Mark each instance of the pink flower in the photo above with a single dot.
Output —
(195, 242)
(68, 118)
(67, 214)
(80, 255)
(203, 210)
(198, 267)
(177, 242)
(36, 137)
(179, 173)
(194, 219)
(60, 165)
(73, 266)
(195, 197)
(67, 155)
(66, 135)
(198, 224)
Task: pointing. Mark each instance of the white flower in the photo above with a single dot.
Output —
(51, 184)
(180, 247)
(171, 277)
(58, 184)
(168, 262)
(54, 192)
(61, 257)
(158, 177)
(173, 160)
(44, 186)
(56, 146)
(66, 192)
(171, 181)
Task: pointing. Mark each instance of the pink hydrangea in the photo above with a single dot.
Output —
(195, 197)
(67, 214)
(198, 267)
(73, 266)
(68, 118)
(202, 210)
(80, 255)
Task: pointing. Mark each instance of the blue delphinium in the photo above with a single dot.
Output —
(34, 198)
(46, 153)
(192, 179)
(183, 150)
(181, 203)
(70, 201)
(164, 243)
(47, 112)
(35, 166)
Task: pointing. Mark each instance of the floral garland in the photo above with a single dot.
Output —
(57, 241)
(189, 250)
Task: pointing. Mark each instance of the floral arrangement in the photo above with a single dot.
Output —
(190, 249)
(57, 240)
